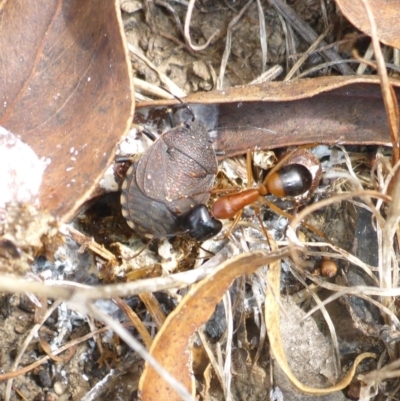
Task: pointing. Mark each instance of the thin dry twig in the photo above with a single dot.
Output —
(67, 290)
(28, 339)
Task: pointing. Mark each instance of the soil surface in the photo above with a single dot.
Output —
(102, 366)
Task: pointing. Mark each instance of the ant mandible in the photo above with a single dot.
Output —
(284, 180)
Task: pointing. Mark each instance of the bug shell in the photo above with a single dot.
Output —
(200, 224)
(179, 168)
(146, 216)
(173, 176)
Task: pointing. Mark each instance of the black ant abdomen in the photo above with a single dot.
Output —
(291, 180)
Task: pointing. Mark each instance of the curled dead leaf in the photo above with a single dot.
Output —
(66, 90)
(272, 321)
(171, 346)
(385, 13)
(326, 110)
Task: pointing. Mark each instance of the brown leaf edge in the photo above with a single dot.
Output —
(274, 91)
(385, 13)
(171, 346)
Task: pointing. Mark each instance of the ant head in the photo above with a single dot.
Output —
(199, 224)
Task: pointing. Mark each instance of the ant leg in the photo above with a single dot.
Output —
(265, 232)
(278, 210)
(249, 167)
(234, 224)
(233, 190)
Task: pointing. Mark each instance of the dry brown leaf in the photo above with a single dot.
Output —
(386, 13)
(274, 91)
(171, 347)
(272, 321)
(65, 89)
(327, 110)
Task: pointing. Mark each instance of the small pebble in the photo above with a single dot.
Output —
(59, 388)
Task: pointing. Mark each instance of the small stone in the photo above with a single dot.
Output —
(59, 388)
(201, 70)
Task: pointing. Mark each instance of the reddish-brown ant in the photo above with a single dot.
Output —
(297, 173)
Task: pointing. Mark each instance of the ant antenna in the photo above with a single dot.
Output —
(183, 104)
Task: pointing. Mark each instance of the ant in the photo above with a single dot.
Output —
(297, 173)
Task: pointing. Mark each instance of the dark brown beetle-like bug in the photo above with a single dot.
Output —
(162, 191)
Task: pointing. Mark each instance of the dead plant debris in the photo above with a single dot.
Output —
(300, 304)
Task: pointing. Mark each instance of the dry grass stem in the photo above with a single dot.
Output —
(304, 56)
(135, 345)
(263, 36)
(358, 291)
(169, 84)
(32, 334)
(187, 29)
(367, 56)
(227, 370)
(307, 33)
(268, 75)
(218, 370)
(151, 89)
(228, 44)
(321, 66)
(389, 97)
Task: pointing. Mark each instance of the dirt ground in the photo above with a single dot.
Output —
(102, 366)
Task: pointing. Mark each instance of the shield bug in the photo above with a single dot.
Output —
(162, 190)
